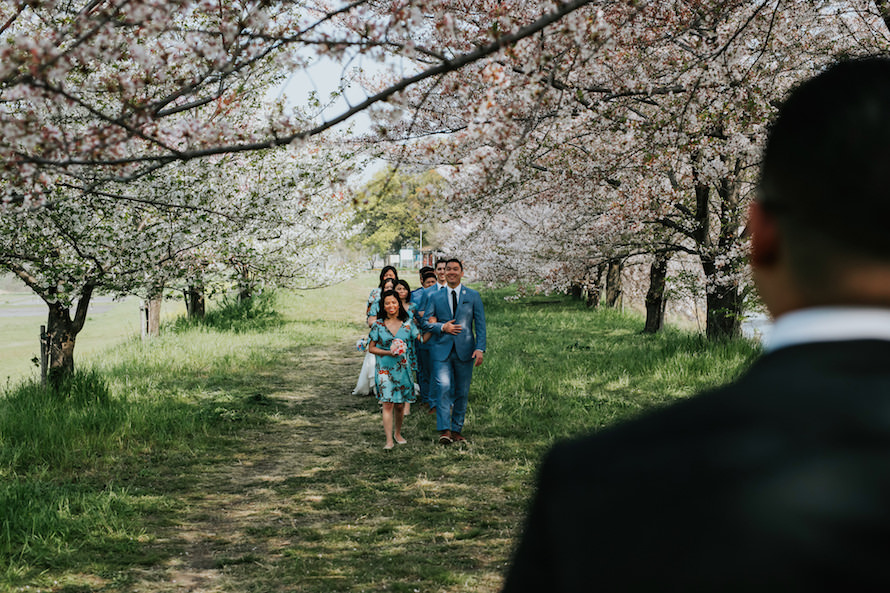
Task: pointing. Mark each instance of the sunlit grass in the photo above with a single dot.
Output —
(91, 477)
(555, 368)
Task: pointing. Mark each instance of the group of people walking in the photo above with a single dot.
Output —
(423, 344)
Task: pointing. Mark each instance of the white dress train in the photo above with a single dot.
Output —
(365, 384)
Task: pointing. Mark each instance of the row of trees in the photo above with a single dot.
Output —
(138, 149)
(627, 130)
(243, 221)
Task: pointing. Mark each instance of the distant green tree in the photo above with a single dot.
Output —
(392, 207)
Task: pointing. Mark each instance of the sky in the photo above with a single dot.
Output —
(324, 77)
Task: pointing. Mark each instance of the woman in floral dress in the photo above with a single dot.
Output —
(392, 342)
(388, 272)
(365, 383)
(404, 291)
(374, 306)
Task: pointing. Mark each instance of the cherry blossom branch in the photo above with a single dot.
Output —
(447, 66)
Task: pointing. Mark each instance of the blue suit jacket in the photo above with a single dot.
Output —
(418, 297)
(470, 315)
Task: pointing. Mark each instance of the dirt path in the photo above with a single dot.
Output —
(235, 511)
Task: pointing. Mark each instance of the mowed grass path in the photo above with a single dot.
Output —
(253, 468)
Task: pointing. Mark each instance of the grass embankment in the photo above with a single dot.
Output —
(21, 315)
(232, 457)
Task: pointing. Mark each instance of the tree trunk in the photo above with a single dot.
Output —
(724, 304)
(593, 287)
(245, 284)
(154, 316)
(613, 283)
(576, 291)
(194, 301)
(723, 294)
(152, 310)
(61, 335)
(655, 299)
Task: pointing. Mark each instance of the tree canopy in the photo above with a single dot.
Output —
(393, 207)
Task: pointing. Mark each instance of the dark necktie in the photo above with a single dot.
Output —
(453, 303)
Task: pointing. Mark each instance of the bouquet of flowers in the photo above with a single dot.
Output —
(398, 347)
(362, 344)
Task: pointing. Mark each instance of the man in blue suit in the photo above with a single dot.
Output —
(428, 291)
(456, 346)
(418, 297)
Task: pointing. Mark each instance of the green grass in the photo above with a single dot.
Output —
(241, 432)
(106, 326)
(555, 368)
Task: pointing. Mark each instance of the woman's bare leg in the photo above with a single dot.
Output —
(387, 423)
(399, 414)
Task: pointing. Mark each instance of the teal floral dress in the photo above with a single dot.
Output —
(374, 302)
(412, 350)
(395, 376)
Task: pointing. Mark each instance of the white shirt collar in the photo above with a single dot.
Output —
(828, 324)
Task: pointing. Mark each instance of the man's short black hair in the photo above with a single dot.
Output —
(824, 172)
(428, 275)
(424, 270)
(454, 260)
(441, 261)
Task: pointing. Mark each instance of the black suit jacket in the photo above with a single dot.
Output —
(779, 481)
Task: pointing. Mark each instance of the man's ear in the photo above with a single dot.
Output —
(765, 236)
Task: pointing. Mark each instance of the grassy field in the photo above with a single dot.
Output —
(21, 316)
(232, 457)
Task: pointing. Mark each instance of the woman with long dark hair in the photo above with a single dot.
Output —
(388, 276)
(392, 342)
(374, 298)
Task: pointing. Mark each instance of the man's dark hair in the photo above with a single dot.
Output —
(428, 275)
(385, 270)
(402, 315)
(824, 172)
(454, 260)
(440, 261)
(424, 270)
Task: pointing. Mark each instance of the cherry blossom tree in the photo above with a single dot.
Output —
(97, 98)
(642, 114)
(96, 93)
(268, 216)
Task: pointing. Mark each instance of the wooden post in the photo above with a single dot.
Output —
(143, 320)
(44, 353)
(153, 317)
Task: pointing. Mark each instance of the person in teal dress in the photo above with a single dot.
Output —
(392, 342)
(374, 305)
(365, 384)
(387, 273)
(404, 291)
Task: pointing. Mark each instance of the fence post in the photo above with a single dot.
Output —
(44, 352)
(143, 320)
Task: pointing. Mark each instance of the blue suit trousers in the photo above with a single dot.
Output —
(424, 374)
(451, 382)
